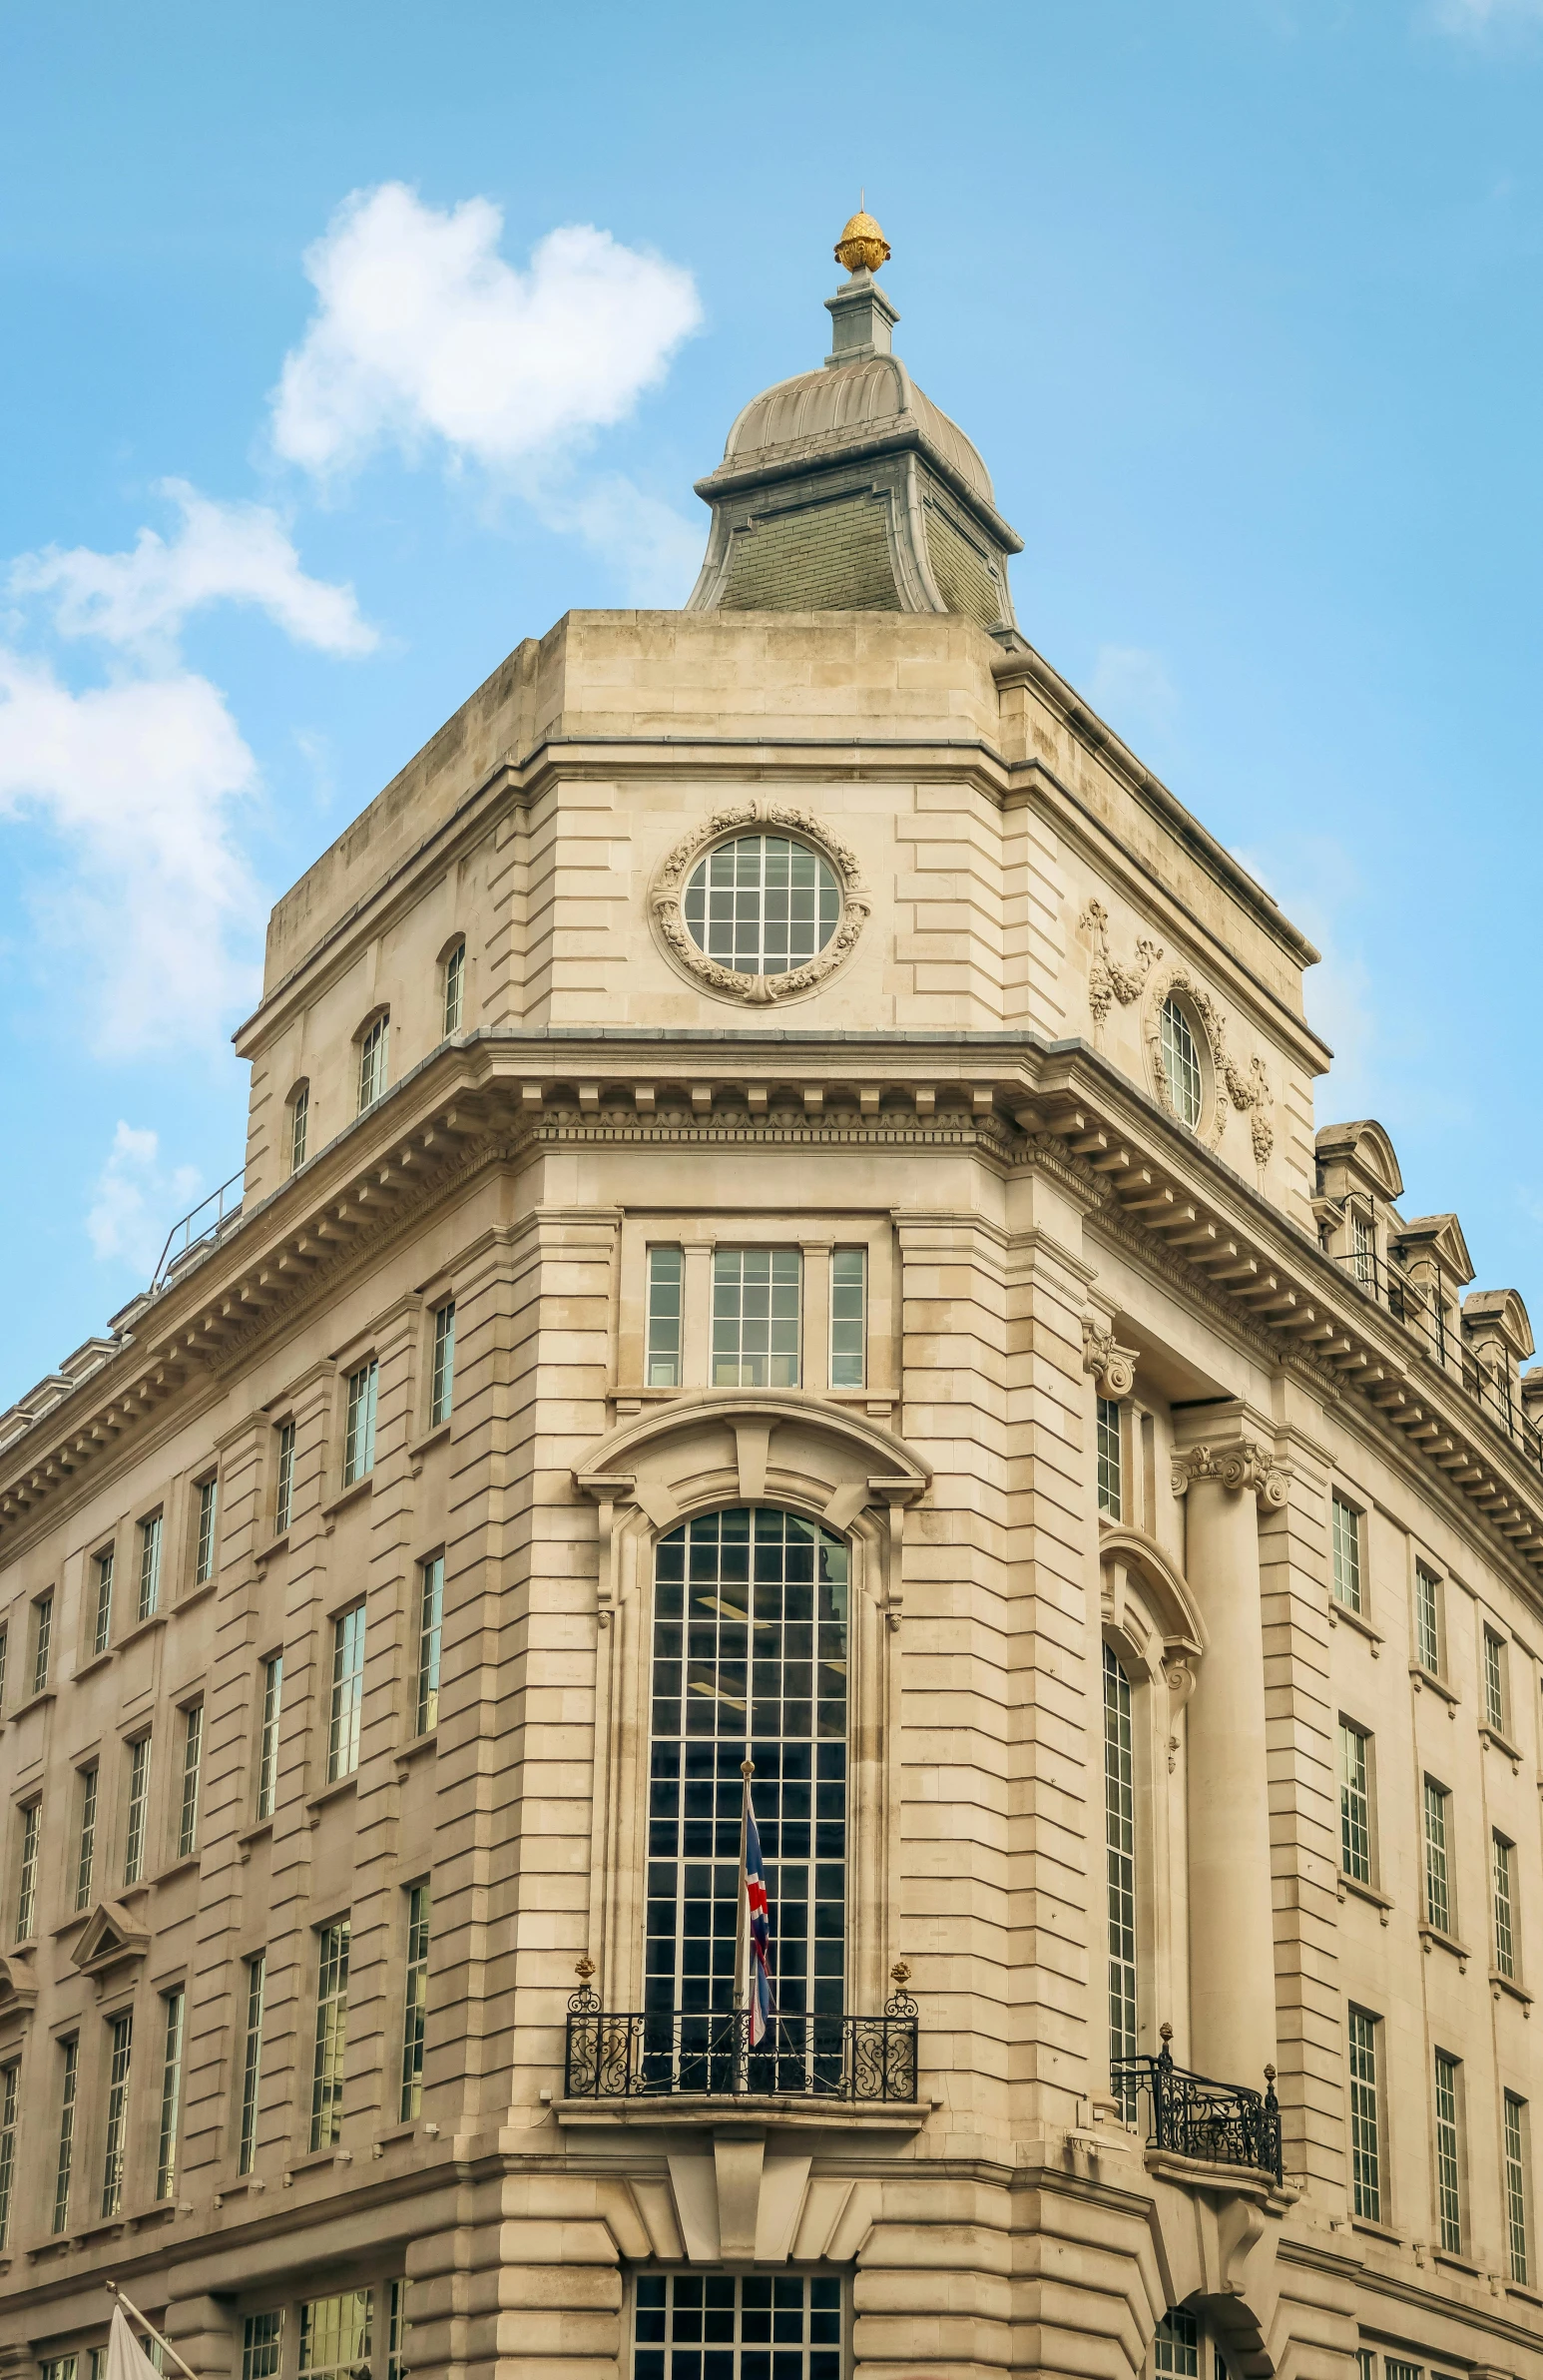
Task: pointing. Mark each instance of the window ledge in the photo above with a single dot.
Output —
(265, 1553)
(33, 1701)
(71, 1923)
(253, 1834)
(176, 1867)
(317, 1802)
(142, 1627)
(1523, 2289)
(1456, 2263)
(198, 1593)
(1431, 1938)
(1341, 1613)
(436, 1436)
(692, 2111)
(1491, 1736)
(330, 1511)
(313, 2161)
(131, 1892)
(1364, 1892)
(1507, 1984)
(1362, 2222)
(398, 2133)
(1422, 1676)
(97, 1661)
(417, 1748)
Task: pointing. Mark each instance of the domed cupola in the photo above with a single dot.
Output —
(846, 489)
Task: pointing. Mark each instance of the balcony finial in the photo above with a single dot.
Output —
(584, 1967)
(746, 1769)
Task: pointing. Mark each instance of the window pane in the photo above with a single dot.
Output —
(299, 1126)
(359, 1426)
(1365, 2143)
(171, 2093)
(42, 1638)
(335, 2334)
(326, 2092)
(848, 1317)
(1494, 1681)
(1355, 1805)
(1346, 1553)
(1438, 1907)
(251, 2059)
(1505, 1913)
(204, 1563)
(138, 1802)
(102, 1612)
(262, 2344)
(192, 1755)
(442, 1384)
(431, 1592)
(1448, 2186)
(149, 1565)
(761, 906)
(738, 2326)
(1517, 2186)
(27, 1872)
(1181, 1064)
(267, 1741)
(10, 2082)
(373, 1050)
(1110, 1482)
(69, 2063)
(756, 1297)
(342, 1753)
(115, 2134)
(1427, 1626)
(415, 2002)
(86, 1841)
(662, 1368)
(455, 976)
(284, 1494)
(1120, 1859)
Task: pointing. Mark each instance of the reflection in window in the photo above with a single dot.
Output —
(69, 2078)
(342, 1744)
(335, 2335)
(262, 2345)
(331, 2046)
(120, 2045)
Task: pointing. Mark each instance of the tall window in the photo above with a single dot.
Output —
(5, 1647)
(27, 1872)
(1494, 1682)
(442, 1379)
(359, 1426)
(1427, 1619)
(1448, 2167)
(263, 2345)
(1515, 2153)
(663, 1366)
(120, 2043)
(1181, 1064)
(1365, 2117)
(86, 1840)
(737, 2316)
(415, 2006)
(10, 2081)
(192, 1761)
(68, 2080)
(327, 2077)
(1110, 1465)
(204, 1553)
(1439, 1895)
(138, 1804)
(251, 2061)
(102, 1601)
(283, 1482)
(336, 2336)
(268, 1738)
(749, 1658)
(174, 2004)
(299, 1125)
(342, 1741)
(1355, 1805)
(456, 987)
(1120, 1862)
(1364, 1247)
(42, 1639)
(431, 1605)
(848, 1317)
(1500, 1868)
(1176, 2346)
(149, 1565)
(375, 1047)
(1346, 1553)
(396, 2329)
(756, 1293)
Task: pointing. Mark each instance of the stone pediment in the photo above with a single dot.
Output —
(17, 1987)
(1499, 1313)
(111, 1936)
(1438, 1236)
(1366, 1150)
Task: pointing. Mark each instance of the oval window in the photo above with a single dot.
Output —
(761, 904)
(1181, 1064)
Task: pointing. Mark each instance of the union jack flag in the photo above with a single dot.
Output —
(760, 1930)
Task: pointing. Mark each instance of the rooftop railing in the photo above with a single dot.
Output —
(1190, 2115)
(1422, 1312)
(662, 2053)
(202, 1229)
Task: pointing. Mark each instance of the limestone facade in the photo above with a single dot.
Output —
(1097, 1364)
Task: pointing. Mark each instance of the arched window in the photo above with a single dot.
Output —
(750, 1659)
(300, 1124)
(453, 984)
(374, 1049)
(1120, 1855)
(1181, 1062)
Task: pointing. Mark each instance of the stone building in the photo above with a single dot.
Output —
(783, 1218)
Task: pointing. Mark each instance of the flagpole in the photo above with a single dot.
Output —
(741, 1945)
(130, 2307)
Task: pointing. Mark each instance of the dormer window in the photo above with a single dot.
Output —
(1181, 1064)
(374, 1046)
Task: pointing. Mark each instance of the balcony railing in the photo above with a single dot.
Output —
(1221, 2123)
(660, 2055)
(1422, 1313)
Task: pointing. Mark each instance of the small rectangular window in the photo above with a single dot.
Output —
(343, 1748)
(268, 1738)
(662, 1365)
(1502, 1875)
(10, 2091)
(442, 1380)
(801, 2313)
(326, 2086)
(431, 1601)
(174, 2004)
(138, 1811)
(102, 1601)
(416, 2002)
(848, 1317)
(375, 1047)
(1438, 1894)
(120, 2045)
(1363, 1248)
(284, 1480)
(1448, 2163)
(1354, 1804)
(42, 1640)
(1494, 1682)
(1427, 1619)
(360, 1428)
(251, 2061)
(1395, 2368)
(68, 2080)
(27, 1872)
(263, 2346)
(455, 985)
(299, 1126)
(1111, 1484)
(1365, 2117)
(149, 1565)
(1176, 2346)
(193, 1760)
(203, 1555)
(86, 1840)
(1347, 1552)
(1516, 2193)
(756, 1295)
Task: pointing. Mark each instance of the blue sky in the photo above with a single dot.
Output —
(1241, 300)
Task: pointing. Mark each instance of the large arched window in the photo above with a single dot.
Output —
(750, 1659)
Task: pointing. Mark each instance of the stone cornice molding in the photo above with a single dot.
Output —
(1241, 1466)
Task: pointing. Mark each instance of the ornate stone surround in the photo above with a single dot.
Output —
(687, 954)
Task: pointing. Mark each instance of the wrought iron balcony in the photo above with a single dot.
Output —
(648, 2053)
(1222, 2123)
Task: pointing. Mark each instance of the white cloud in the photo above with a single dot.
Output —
(223, 553)
(1475, 18)
(135, 1201)
(656, 554)
(424, 333)
(142, 783)
(1132, 690)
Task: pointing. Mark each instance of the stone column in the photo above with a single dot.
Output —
(1231, 1940)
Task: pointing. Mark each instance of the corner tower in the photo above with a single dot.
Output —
(846, 489)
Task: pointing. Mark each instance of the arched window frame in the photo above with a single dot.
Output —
(297, 1126)
(378, 1021)
(452, 976)
(1198, 1011)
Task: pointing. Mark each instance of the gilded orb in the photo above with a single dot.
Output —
(862, 244)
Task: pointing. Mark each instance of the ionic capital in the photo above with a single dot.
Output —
(1240, 1465)
(1114, 1368)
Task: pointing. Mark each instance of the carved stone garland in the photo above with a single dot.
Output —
(687, 954)
(1248, 1092)
(1108, 980)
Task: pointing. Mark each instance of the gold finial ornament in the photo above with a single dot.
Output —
(862, 244)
